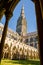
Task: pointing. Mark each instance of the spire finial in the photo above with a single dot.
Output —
(23, 7)
(22, 11)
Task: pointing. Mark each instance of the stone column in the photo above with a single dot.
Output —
(40, 28)
(41, 5)
(8, 15)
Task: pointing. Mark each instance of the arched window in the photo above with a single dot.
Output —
(31, 39)
(36, 38)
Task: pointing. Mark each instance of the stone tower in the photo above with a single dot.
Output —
(21, 27)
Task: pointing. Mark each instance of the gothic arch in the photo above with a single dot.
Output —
(6, 51)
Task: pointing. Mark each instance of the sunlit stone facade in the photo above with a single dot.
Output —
(15, 49)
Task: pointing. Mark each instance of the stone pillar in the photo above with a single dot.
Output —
(41, 5)
(8, 15)
(40, 27)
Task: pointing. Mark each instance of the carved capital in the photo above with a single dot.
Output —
(8, 6)
(2, 12)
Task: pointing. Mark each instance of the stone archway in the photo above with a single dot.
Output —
(40, 28)
(7, 8)
(14, 52)
(6, 51)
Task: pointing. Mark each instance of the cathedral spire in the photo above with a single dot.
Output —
(21, 27)
(22, 12)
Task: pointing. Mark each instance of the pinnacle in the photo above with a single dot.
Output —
(22, 12)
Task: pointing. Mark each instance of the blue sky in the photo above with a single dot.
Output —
(29, 14)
